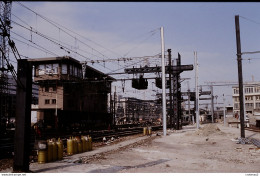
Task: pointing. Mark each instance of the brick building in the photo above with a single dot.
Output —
(66, 99)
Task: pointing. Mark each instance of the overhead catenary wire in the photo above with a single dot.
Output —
(60, 27)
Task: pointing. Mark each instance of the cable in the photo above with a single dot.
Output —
(44, 49)
(55, 24)
(253, 21)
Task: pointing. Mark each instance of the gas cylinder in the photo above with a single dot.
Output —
(42, 156)
(84, 143)
(50, 150)
(150, 130)
(87, 143)
(145, 130)
(90, 143)
(55, 150)
(70, 146)
(75, 146)
(60, 149)
(79, 145)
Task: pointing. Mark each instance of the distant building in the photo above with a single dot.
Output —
(252, 98)
(133, 110)
(66, 99)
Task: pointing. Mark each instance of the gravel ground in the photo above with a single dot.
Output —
(211, 149)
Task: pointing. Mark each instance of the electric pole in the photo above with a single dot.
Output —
(212, 104)
(196, 88)
(163, 85)
(240, 76)
(170, 86)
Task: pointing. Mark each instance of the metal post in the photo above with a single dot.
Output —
(212, 104)
(114, 114)
(163, 85)
(240, 76)
(170, 87)
(196, 88)
(23, 117)
(224, 110)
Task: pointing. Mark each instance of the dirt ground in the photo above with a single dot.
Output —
(211, 149)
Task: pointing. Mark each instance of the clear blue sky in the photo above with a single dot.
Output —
(208, 28)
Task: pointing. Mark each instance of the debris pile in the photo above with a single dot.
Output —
(209, 129)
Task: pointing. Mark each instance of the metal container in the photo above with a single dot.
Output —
(145, 130)
(42, 156)
(79, 142)
(60, 149)
(90, 142)
(70, 146)
(75, 146)
(87, 143)
(55, 151)
(84, 144)
(149, 130)
(50, 150)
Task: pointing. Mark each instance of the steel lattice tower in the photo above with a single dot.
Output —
(5, 15)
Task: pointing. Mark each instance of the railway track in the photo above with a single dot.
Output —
(7, 143)
(253, 128)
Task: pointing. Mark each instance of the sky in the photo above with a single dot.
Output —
(112, 30)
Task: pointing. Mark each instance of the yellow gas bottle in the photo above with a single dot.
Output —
(60, 149)
(145, 130)
(50, 150)
(79, 142)
(75, 146)
(84, 143)
(150, 130)
(55, 150)
(90, 143)
(70, 146)
(87, 143)
(42, 156)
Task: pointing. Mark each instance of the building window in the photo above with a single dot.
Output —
(53, 101)
(249, 90)
(54, 88)
(236, 91)
(248, 98)
(64, 69)
(47, 88)
(41, 69)
(236, 99)
(257, 89)
(257, 105)
(71, 70)
(249, 105)
(236, 106)
(257, 97)
(47, 101)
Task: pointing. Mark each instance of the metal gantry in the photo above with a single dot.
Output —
(175, 72)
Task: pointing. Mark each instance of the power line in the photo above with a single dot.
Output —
(55, 24)
(253, 21)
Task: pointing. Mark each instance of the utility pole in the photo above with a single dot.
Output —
(23, 117)
(114, 114)
(240, 76)
(196, 89)
(212, 104)
(188, 83)
(170, 87)
(224, 110)
(163, 85)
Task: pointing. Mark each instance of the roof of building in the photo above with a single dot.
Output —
(53, 59)
(91, 73)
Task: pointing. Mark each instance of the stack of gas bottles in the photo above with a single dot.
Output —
(147, 130)
(52, 150)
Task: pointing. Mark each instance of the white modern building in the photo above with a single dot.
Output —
(251, 98)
